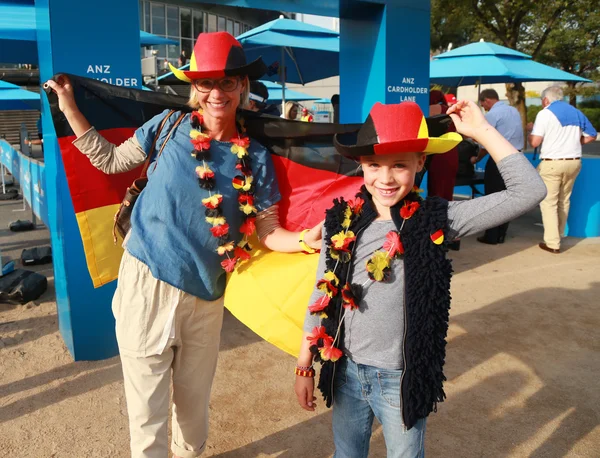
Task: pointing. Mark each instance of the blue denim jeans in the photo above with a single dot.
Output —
(362, 393)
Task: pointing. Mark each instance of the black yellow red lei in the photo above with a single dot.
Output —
(243, 184)
(378, 267)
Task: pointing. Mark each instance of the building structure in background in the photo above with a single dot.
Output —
(175, 19)
(183, 22)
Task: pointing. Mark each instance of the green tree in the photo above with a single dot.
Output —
(574, 45)
(524, 25)
(450, 26)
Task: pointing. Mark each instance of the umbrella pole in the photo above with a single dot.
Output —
(282, 75)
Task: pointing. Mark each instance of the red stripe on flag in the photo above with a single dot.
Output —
(313, 192)
(90, 188)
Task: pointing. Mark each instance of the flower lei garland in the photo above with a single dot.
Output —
(378, 267)
(243, 184)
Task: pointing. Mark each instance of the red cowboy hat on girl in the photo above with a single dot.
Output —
(396, 128)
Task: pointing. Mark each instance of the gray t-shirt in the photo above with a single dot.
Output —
(374, 332)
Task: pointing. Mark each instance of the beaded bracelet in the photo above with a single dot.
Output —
(303, 244)
(304, 373)
(304, 368)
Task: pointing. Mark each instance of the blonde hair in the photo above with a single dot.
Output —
(244, 97)
(288, 107)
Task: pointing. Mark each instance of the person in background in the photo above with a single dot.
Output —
(257, 99)
(560, 129)
(182, 59)
(506, 120)
(40, 140)
(335, 104)
(306, 116)
(442, 168)
(290, 111)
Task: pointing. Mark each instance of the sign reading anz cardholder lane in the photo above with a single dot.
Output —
(107, 74)
(408, 90)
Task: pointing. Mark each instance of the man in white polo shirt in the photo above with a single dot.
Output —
(561, 130)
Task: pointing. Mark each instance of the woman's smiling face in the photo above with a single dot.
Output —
(223, 98)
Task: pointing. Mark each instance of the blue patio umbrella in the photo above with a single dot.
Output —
(276, 93)
(486, 63)
(294, 51)
(12, 97)
(18, 37)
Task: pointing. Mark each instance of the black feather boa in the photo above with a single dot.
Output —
(427, 300)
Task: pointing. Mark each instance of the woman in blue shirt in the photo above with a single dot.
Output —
(209, 190)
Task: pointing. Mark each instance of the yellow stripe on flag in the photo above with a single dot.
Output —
(101, 254)
(270, 295)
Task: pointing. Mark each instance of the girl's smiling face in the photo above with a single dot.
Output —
(390, 177)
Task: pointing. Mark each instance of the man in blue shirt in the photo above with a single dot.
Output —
(506, 120)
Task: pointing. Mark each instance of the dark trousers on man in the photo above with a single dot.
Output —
(493, 182)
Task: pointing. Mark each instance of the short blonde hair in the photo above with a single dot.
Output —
(244, 98)
(288, 107)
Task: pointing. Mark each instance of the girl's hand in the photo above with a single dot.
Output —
(468, 119)
(64, 90)
(305, 392)
(313, 237)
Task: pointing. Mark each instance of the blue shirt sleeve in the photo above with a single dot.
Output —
(587, 127)
(266, 190)
(146, 133)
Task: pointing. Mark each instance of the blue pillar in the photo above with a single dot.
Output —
(98, 40)
(384, 55)
(584, 214)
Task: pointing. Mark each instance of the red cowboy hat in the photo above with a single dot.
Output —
(398, 128)
(217, 55)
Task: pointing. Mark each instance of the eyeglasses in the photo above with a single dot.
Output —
(227, 84)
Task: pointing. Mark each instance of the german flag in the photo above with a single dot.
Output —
(270, 293)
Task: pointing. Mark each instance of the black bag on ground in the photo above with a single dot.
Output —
(36, 255)
(22, 286)
(11, 194)
(20, 226)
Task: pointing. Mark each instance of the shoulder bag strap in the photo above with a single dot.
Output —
(170, 133)
(160, 151)
(151, 152)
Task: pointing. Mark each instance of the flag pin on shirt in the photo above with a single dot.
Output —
(437, 237)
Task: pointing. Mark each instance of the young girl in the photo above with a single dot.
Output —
(378, 317)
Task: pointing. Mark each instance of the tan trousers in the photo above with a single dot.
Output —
(559, 177)
(164, 333)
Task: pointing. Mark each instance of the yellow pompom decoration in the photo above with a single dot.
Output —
(225, 248)
(248, 209)
(239, 151)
